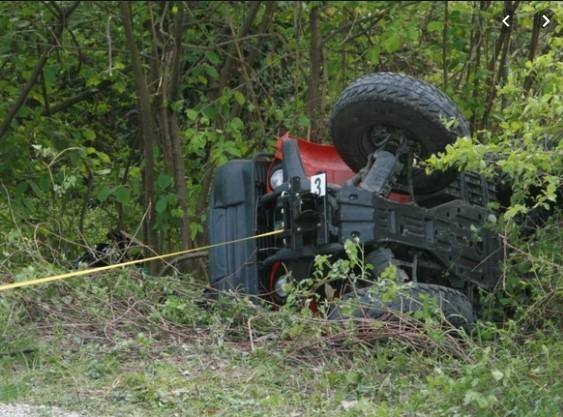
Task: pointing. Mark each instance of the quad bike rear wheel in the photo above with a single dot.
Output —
(376, 107)
(456, 308)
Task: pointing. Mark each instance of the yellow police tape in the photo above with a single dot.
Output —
(38, 281)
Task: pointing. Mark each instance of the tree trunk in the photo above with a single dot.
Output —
(253, 54)
(169, 71)
(228, 66)
(175, 141)
(478, 40)
(215, 93)
(445, 49)
(148, 131)
(497, 74)
(533, 48)
(312, 106)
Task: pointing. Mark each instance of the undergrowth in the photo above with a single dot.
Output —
(123, 343)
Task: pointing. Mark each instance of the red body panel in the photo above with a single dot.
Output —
(318, 157)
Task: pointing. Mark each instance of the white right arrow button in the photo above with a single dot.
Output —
(546, 21)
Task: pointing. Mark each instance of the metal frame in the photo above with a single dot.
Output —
(441, 238)
(453, 238)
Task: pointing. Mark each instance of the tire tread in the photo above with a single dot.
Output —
(455, 305)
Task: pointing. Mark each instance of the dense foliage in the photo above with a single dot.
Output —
(113, 116)
(223, 80)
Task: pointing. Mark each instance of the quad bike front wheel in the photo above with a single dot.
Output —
(453, 305)
(383, 105)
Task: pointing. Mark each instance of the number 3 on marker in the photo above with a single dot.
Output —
(318, 184)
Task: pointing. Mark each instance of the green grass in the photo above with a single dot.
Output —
(146, 365)
(127, 345)
(193, 379)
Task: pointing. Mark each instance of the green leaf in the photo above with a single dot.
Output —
(192, 114)
(303, 121)
(93, 81)
(104, 157)
(119, 86)
(209, 111)
(104, 193)
(163, 181)
(36, 189)
(373, 55)
(122, 194)
(89, 134)
(213, 57)
(211, 72)
(177, 105)
(161, 205)
(50, 74)
(435, 26)
(195, 229)
(236, 124)
(177, 213)
(392, 43)
(497, 375)
(239, 97)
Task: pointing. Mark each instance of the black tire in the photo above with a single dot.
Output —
(395, 101)
(455, 306)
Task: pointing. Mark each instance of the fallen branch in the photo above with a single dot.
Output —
(407, 331)
(181, 258)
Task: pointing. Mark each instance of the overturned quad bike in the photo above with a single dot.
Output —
(369, 187)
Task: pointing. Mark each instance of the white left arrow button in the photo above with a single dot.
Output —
(505, 21)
